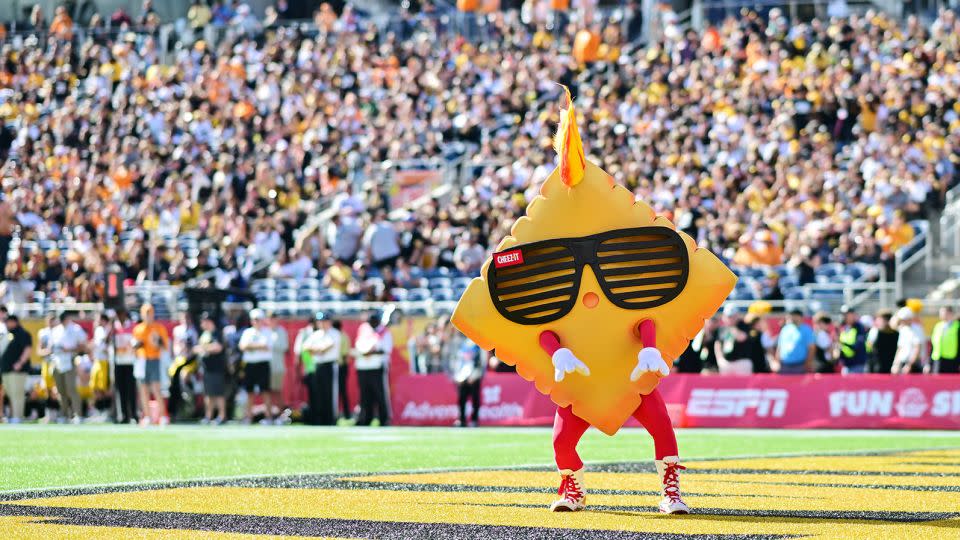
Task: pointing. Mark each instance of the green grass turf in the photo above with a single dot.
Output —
(36, 456)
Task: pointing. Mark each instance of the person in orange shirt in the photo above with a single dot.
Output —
(896, 234)
(758, 249)
(150, 340)
(62, 25)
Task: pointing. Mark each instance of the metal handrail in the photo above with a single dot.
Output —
(901, 264)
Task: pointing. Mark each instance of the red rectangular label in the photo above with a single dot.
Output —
(508, 258)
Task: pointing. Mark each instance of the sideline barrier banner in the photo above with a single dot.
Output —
(757, 401)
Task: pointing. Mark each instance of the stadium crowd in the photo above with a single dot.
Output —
(772, 142)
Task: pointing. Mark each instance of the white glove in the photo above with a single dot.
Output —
(649, 359)
(565, 362)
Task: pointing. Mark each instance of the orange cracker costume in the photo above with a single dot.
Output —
(592, 297)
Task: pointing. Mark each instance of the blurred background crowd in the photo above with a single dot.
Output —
(775, 144)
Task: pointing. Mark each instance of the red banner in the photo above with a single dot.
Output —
(757, 401)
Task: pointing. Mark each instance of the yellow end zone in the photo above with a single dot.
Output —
(910, 494)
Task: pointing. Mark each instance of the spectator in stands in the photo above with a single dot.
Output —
(896, 234)
(256, 344)
(199, 15)
(150, 343)
(14, 367)
(279, 346)
(852, 343)
(469, 255)
(758, 249)
(339, 277)
(62, 25)
(374, 345)
(67, 340)
(381, 241)
(946, 343)
(211, 353)
(796, 346)
(124, 358)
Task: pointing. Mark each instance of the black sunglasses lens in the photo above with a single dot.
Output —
(641, 269)
(534, 284)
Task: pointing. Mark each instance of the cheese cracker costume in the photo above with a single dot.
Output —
(592, 297)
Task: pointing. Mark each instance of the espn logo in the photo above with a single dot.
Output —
(734, 403)
(508, 258)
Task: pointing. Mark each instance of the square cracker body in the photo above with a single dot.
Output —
(604, 337)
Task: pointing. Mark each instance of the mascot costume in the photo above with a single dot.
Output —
(592, 297)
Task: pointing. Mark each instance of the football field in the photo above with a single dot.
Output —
(232, 482)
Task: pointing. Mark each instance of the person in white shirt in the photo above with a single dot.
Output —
(278, 362)
(324, 345)
(124, 357)
(382, 241)
(374, 345)
(67, 340)
(910, 344)
(256, 344)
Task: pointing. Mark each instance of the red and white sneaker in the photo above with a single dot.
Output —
(573, 496)
(669, 468)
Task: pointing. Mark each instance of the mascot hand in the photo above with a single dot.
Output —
(649, 359)
(565, 362)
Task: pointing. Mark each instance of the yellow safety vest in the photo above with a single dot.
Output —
(945, 341)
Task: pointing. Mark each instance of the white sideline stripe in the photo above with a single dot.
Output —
(399, 430)
(147, 483)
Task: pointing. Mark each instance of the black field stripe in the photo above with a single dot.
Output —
(346, 528)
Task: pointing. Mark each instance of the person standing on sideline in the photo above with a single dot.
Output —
(67, 340)
(308, 368)
(469, 366)
(796, 346)
(324, 345)
(3, 344)
(256, 345)
(14, 363)
(124, 358)
(343, 370)
(278, 363)
(374, 345)
(852, 343)
(909, 344)
(213, 361)
(150, 341)
(882, 342)
(946, 342)
(100, 369)
(48, 365)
